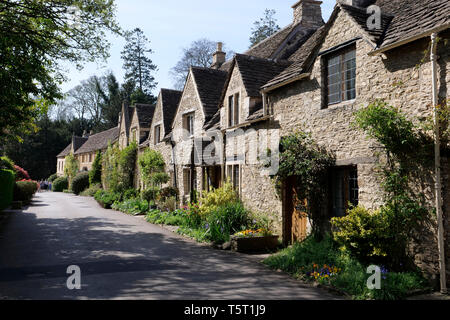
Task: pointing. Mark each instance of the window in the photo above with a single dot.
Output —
(341, 76)
(157, 134)
(233, 110)
(233, 175)
(90, 157)
(345, 190)
(188, 123)
(134, 134)
(230, 111)
(190, 181)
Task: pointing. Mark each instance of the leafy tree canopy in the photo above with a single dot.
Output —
(35, 37)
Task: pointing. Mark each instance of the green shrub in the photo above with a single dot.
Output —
(302, 259)
(225, 221)
(216, 198)
(150, 162)
(80, 182)
(7, 164)
(110, 168)
(168, 204)
(127, 166)
(150, 194)
(90, 192)
(95, 175)
(130, 194)
(52, 178)
(24, 191)
(131, 206)
(106, 198)
(60, 184)
(7, 181)
(71, 168)
(168, 192)
(380, 236)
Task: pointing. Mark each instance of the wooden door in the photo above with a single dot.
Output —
(299, 219)
(296, 219)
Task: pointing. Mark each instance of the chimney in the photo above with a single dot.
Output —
(218, 57)
(358, 3)
(84, 134)
(308, 12)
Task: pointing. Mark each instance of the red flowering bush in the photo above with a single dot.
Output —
(21, 174)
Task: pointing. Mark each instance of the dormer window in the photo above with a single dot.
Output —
(340, 68)
(233, 110)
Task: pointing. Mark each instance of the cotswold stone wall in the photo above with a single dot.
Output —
(190, 103)
(235, 86)
(403, 79)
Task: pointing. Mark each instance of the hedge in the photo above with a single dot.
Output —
(80, 182)
(52, 178)
(7, 164)
(60, 184)
(24, 191)
(7, 179)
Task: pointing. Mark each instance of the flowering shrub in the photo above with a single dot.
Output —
(216, 198)
(21, 174)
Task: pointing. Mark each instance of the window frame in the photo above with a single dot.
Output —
(157, 134)
(188, 125)
(343, 76)
(347, 178)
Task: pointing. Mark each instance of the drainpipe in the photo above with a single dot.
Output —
(437, 151)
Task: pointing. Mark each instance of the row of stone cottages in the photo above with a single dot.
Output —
(310, 76)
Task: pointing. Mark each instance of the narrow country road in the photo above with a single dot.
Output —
(123, 257)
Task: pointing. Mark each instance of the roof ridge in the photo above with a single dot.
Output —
(269, 38)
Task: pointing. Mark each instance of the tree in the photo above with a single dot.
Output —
(86, 100)
(71, 168)
(112, 101)
(199, 54)
(95, 175)
(137, 65)
(35, 37)
(264, 28)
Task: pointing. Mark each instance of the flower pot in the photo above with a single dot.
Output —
(254, 244)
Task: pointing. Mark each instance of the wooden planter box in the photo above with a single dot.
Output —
(254, 244)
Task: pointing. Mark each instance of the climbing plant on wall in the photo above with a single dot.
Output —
(71, 168)
(301, 157)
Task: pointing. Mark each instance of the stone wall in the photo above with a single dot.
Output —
(402, 78)
(190, 103)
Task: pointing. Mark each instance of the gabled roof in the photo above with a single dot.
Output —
(170, 101)
(65, 152)
(99, 141)
(360, 16)
(255, 72)
(266, 48)
(303, 58)
(210, 83)
(411, 18)
(144, 113)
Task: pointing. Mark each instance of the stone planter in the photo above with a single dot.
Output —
(254, 244)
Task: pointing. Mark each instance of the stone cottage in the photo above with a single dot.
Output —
(159, 137)
(85, 149)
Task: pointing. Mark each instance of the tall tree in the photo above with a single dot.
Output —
(35, 37)
(138, 66)
(198, 54)
(87, 100)
(264, 27)
(112, 101)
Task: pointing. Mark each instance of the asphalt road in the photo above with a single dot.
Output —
(124, 257)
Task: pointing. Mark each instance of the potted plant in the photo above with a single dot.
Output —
(252, 241)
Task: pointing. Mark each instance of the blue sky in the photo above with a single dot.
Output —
(172, 25)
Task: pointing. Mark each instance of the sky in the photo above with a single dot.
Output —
(172, 25)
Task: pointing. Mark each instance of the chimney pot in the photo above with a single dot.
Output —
(219, 57)
(308, 12)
